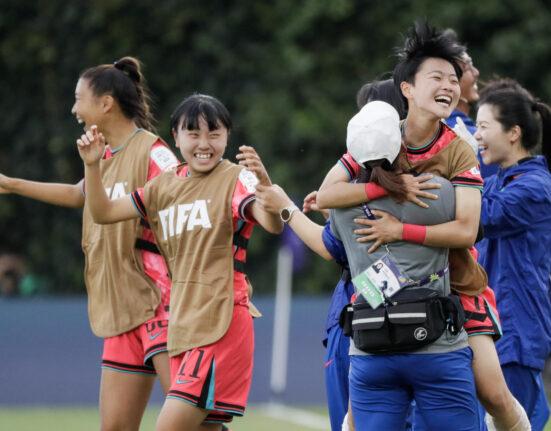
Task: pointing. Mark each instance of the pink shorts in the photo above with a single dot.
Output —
(132, 352)
(217, 377)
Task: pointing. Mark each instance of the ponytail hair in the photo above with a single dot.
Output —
(124, 81)
(388, 176)
(515, 106)
(544, 112)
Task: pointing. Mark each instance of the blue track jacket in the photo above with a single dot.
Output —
(516, 253)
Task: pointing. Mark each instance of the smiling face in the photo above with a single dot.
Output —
(469, 80)
(496, 145)
(88, 108)
(201, 148)
(435, 90)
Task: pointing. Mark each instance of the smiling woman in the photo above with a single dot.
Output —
(126, 278)
(516, 215)
(202, 215)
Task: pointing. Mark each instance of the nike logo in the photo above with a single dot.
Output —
(153, 336)
(183, 382)
(329, 362)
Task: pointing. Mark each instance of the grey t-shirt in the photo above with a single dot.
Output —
(416, 261)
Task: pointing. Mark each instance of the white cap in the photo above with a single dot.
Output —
(374, 133)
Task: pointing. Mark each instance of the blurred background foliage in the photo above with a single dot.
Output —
(288, 71)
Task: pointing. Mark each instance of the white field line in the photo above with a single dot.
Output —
(295, 416)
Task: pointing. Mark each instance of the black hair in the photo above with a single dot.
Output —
(503, 84)
(515, 106)
(423, 42)
(123, 80)
(384, 91)
(188, 113)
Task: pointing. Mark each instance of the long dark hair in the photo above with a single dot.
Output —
(124, 81)
(515, 106)
(388, 176)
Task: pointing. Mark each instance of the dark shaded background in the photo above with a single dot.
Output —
(288, 71)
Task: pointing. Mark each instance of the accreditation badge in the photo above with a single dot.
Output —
(380, 281)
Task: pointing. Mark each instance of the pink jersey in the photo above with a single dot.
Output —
(161, 159)
(243, 225)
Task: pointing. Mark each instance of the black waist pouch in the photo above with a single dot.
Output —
(414, 319)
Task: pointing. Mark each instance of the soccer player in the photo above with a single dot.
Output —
(201, 215)
(126, 277)
(428, 76)
(516, 215)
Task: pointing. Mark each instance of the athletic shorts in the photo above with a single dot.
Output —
(383, 386)
(217, 377)
(481, 315)
(133, 351)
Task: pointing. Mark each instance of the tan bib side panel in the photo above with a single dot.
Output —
(120, 295)
(193, 225)
(466, 275)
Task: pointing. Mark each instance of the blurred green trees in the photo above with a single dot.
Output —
(287, 70)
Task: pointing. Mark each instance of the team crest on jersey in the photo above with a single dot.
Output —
(176, 218)
(117, 191)
(249, 180)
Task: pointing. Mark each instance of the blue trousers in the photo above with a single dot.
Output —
(526, 384)
(337, 364)
(442, 385)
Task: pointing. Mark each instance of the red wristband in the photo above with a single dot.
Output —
(374, 191)
(414, 233)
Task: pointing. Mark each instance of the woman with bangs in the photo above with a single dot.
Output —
(202, 215)
(516, 216)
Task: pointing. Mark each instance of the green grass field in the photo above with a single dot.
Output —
(87, 419)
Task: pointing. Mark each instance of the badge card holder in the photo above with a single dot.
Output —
(380, 281)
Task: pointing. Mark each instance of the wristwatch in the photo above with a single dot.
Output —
(286, 213)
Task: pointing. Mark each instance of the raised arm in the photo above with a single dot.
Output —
(104, 211)
(336, 190)
(64, 195)
(249, 158)
(273, 199)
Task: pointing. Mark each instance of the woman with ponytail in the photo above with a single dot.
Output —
(516, 250)
(126, 277)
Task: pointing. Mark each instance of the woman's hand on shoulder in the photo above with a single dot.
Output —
(383, 230)
(416, 186)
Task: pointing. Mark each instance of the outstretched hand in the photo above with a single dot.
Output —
(249, 158)
(91, 146)
(310, 204)
(3, 182)
(272, 198)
